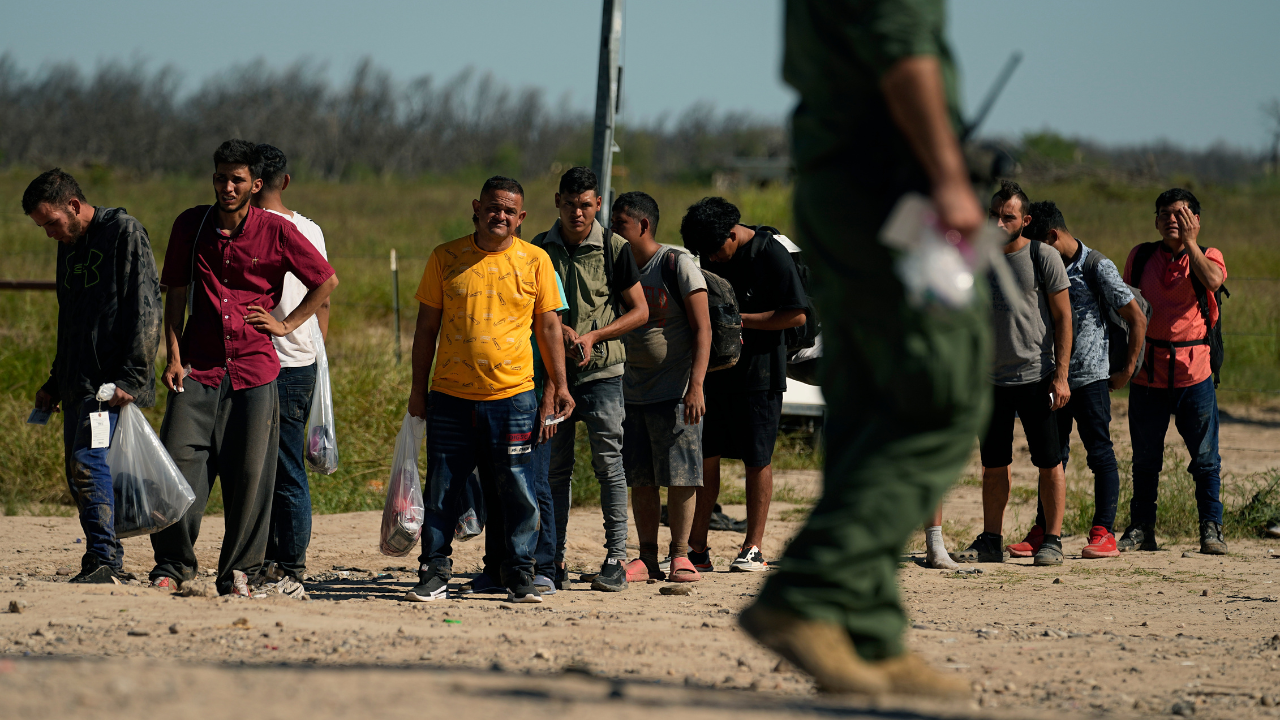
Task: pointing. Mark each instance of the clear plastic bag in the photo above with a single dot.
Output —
(322, 436)
(404, 512)
(150, 492)
(471, 522)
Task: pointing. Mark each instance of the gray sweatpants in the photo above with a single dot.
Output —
(233, 435)
(599, 405)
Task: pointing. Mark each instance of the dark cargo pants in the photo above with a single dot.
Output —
(906, 392)
(233, 435)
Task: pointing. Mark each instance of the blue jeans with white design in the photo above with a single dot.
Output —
(495, 438)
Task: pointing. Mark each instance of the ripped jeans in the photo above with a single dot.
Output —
(89, 480)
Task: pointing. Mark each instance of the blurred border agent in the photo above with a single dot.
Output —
(290, 533)
(109, 316)
(906, 387)
(1181, 281)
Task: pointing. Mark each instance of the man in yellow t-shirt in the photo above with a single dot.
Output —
(480, 296)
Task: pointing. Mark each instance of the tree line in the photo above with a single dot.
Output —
(128, 117)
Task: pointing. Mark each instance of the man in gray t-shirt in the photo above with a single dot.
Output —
(1096, 287)
(1032, 335)
(662, 386)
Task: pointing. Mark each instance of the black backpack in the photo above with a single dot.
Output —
(1212, 331)
(722, 304)
(1117, 328)
(798, 338)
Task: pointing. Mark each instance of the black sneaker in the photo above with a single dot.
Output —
(482, 584)
(433, 583)
(701, 560)
(524, 591)
(1211, 542)
(612, 577)
(1050, 552)
(100, 575)
(986, 548)
(1138, 537)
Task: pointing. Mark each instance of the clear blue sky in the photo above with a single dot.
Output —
(1194, 73)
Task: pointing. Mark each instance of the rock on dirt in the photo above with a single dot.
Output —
(17, 606)
(198, 587)
(675, 590)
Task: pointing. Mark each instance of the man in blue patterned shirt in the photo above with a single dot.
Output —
(1096, 285)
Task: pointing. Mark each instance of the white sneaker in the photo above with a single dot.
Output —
(749, 560)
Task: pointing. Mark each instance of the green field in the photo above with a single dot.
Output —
(364, 221)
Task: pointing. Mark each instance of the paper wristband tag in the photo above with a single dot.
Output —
(99, 430)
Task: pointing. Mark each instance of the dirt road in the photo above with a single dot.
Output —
(1134, 635)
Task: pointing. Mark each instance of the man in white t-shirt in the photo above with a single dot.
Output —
(291, 504)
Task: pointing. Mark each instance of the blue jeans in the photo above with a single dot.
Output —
(494, 437)
(291, 502)
(89, 480)
(544, 553)
(599, 405)
(1090, 409)
(1195, 414)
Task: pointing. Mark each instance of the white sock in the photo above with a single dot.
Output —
(936, 549)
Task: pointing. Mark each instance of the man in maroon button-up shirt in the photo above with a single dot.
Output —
(222, 417)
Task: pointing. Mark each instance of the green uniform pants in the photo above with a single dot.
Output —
(906, 392)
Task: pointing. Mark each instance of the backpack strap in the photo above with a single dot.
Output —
(191, 285)
(1090, 272)
(670, 277)
(1145, 251)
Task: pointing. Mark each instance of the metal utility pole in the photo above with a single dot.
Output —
(602, 144)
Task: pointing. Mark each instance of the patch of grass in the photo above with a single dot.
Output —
(796, 514)
(1021, 495)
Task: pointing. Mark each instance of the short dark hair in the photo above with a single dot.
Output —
(1045, 216)
(51, 186)
(577, 180)
(639, 206)
(500, 183)
(1010, 190)
(239, 152)
(274, 166)
(1173, 195)
(707, 225)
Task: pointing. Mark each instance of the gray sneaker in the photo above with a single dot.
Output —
(1211, 542)
(1050, 553)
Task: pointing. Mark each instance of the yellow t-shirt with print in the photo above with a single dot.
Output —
(488, 301)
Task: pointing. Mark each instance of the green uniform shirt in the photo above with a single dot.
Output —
(837, 51)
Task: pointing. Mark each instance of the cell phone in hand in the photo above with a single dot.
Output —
(577, 350)
(39, 417)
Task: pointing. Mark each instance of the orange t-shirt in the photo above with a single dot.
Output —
(1175, 315)
(488, 302)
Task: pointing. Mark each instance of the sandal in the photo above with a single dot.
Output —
(637, 571)
(682, 570)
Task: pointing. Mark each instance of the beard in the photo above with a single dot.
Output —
(240, 203)
(75, 226)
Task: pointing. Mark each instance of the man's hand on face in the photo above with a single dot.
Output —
(263, 321)
(45, 401)
(1188, 226)
(1061, 393)
(120, 398)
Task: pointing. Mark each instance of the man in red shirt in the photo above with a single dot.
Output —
(1180, 280)
(226, 264)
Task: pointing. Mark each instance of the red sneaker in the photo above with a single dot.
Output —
(1101, 544)
(1029, 545)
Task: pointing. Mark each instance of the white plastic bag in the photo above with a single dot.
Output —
(404, 512)
(150, 492)
(322, 436)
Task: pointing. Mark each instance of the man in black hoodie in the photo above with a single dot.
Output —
(109, 315)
